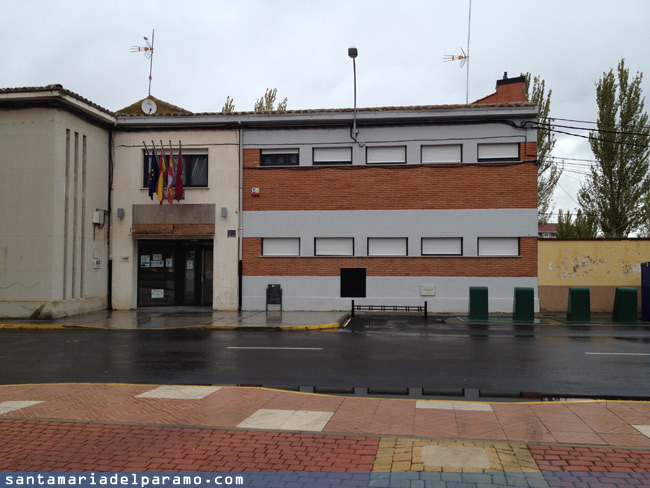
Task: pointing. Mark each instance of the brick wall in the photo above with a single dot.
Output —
(517, 266)
(405, 187)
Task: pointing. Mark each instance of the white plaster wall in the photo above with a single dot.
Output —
(223, 191)
(32, 212)
(322, 293)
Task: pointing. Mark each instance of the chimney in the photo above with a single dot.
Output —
(508, 90)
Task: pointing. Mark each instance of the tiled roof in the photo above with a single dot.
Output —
(55, 87)
(168, 110)
(382, 109)
(547, 228)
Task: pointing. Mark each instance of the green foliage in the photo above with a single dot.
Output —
(548, 171)
(616, 190)
(582, 227)
(229, 106)
(267, 102)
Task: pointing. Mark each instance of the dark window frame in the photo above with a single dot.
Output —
(289, 158)
(491, 160)
(441, 162)
(406, 253)
(478, 246)
(462, 249)
(370, 148)
(335, 255)
(188, 181)
(329, 163)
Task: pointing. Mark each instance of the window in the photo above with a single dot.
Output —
(386, 155)
(498, 152)
(387, 246)
(279, 157)
(332, 155)
(448, 153)
(442, 246)
(498, 246)
(334, 246)
(195, 170)
(281, 246)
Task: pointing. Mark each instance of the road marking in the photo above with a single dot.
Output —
(619, 353)
(278, 348)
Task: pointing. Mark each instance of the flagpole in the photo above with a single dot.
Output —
(151, 60)
(469, 24)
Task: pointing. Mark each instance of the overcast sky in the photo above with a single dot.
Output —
(206, 50)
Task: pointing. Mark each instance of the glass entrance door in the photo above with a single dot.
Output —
(175, 273)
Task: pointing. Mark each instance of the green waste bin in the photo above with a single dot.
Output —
(579, 308)
(625, 305)
(524, 305)
(478, 303)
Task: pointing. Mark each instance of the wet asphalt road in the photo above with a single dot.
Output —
(386, 356)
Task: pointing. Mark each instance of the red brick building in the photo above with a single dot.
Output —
(424, 203)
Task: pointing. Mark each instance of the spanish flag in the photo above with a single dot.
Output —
(162, 176)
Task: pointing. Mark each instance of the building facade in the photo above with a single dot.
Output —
(183, 253)
(425, 203)
(418, 205)
(54, 154)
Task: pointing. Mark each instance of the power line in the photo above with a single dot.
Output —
(606, 140)
(581, 121)
(600, 131)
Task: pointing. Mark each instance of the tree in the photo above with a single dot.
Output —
(583, 227)
(616, 188)
(229, 106)
(548, 171)
(267, 102)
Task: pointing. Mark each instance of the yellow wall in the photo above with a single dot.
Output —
(592, 263)
(602, 265)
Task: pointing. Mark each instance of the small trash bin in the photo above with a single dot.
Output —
(478, 303)
(579, 307)
(625, 305)
(645, 291)
(524, 305)
(273, 296)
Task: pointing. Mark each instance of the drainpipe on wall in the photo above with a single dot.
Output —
(241, 218)
(109, 297)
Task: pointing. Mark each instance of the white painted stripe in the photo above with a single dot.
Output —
(278, 348)
(644, 429)
(11, 406)
(618, 353)
(443, 405)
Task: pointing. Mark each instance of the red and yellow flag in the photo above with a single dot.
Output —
(162, 176)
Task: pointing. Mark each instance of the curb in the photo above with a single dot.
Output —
(240, 327)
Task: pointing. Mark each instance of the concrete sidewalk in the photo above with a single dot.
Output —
(107, 427)
(189, 317)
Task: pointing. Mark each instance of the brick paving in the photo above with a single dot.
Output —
(99, 427)
(32, 445)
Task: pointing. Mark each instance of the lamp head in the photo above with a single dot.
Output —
(352, 52)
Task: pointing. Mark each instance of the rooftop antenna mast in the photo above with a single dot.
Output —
(463, 58)
(148, 53)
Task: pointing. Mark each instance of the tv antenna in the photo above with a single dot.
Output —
(463, 58)
(148, 53)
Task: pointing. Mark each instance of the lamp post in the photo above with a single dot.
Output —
(352, 52)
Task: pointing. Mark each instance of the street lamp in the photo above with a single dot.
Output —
(352, 52)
